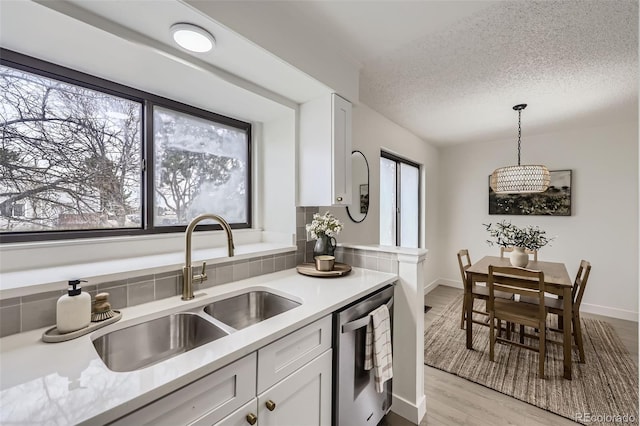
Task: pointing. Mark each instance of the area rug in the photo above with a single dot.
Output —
(604, 390)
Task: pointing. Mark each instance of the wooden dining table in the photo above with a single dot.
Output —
(556, 281)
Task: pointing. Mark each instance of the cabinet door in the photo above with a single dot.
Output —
(341, 130)
(324, 154)
(302, 399)
(243, 416)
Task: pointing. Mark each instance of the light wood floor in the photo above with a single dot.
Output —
(453, 401)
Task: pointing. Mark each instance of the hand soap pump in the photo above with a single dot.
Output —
(74, 309)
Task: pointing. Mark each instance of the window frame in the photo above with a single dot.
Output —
(147, 100)
(398, 160)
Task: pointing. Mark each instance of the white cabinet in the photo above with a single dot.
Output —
(324, 168)
(293, 383)
(302, 399)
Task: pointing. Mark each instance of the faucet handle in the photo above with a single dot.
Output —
(202, 276)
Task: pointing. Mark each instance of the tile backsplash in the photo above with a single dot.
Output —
(26, 313)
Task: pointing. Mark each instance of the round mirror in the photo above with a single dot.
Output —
(359, 207)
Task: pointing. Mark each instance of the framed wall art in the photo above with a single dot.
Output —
(555, 201)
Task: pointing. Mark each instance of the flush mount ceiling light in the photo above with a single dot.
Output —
(192, 37)
(520, 179)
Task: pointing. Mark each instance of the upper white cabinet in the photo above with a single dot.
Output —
(324, 175)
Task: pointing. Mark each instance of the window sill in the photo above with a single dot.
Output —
(26, 281)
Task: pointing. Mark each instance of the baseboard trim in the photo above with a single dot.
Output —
(609, 312)
(412, 412)
(431, 286)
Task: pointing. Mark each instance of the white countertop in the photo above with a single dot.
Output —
(67, 383)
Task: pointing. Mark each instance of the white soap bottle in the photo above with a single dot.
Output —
(74, 309)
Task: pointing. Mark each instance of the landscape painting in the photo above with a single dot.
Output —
(555, 201)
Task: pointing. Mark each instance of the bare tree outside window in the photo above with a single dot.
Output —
(200, 167)
(69, 156)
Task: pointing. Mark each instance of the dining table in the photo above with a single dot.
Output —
(556, 281)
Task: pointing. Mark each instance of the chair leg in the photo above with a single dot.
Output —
(577, 335)
(543, 350)
(508, 330)
(499, 327)
(492, 339)
(464, 311)
(521, 333)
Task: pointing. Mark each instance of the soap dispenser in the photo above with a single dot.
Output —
(74, 309)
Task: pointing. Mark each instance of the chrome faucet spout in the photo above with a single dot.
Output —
(187, 274)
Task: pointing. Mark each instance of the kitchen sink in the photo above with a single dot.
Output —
(150, 342)
(249, 308)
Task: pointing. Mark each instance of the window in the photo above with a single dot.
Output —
(399, 201)
(198, 164)
(74, 162)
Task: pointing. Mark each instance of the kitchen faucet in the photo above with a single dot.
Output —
(187, 273)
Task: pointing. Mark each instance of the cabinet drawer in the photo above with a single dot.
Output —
(286, 355)
(204, 401)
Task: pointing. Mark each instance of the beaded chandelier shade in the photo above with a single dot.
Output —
(520, 179)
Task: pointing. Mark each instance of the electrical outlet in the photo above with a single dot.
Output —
(309, 238)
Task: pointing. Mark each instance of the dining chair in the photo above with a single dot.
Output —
(504, 250)
(554, 306)
(501, 278)
(477, 291)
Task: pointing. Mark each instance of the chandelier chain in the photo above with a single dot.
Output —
(519, 134)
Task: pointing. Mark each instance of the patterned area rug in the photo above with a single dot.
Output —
(604, 390)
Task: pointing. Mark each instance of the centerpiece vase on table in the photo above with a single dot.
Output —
(518, 257)
(506, 234)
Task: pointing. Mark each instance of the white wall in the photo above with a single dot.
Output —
(602, 229)
(371, 133)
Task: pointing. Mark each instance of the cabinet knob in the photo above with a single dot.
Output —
(270, 405)
(339, 198)
(252, 419)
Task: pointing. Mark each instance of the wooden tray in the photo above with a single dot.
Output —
(52, 335)
(339, 269)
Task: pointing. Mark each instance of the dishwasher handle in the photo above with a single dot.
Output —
(361, 322)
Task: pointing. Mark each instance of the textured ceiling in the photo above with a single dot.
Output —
(455, 77)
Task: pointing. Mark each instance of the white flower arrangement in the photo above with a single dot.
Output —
(326, 224)
(506, 234)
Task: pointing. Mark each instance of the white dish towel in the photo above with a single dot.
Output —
(377, 351)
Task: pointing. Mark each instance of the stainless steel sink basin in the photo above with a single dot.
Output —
(147, 343)
(249, 308)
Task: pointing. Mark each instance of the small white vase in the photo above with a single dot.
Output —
(519, 258)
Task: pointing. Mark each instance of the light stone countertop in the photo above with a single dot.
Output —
(67, 383)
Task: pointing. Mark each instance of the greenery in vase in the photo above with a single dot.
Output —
(506, 234)
(325, 224)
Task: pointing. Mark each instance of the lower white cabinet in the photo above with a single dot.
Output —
(302, 399)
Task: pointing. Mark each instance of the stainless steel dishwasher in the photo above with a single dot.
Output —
(355, 400)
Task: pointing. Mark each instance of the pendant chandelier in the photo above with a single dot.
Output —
(520, 179)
